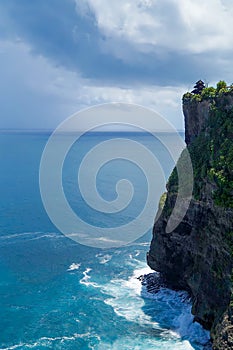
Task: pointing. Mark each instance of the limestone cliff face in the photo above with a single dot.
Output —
(197, 255)
(196, 117)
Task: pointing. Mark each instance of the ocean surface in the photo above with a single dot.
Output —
(58, 294)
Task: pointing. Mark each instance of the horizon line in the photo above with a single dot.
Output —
(89, 131)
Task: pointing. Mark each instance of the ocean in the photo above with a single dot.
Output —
(56, 293)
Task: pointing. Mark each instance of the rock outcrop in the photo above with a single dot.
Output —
(197, 255)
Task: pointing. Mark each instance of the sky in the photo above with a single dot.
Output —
(60, 56)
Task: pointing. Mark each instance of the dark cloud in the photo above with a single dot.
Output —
(55, 60)
(56, 30)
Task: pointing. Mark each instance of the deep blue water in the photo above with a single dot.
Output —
(58, 294)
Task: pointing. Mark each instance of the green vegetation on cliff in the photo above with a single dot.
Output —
(212, 157)
(209, 93)
(212, 150)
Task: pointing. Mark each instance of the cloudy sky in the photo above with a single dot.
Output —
(59, 56)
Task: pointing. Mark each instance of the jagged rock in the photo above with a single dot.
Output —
(223, 333)
(153, 282)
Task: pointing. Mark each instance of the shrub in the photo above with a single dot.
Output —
(187, 96)
(208, 92)
(221, 85)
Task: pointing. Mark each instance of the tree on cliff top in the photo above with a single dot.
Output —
(221, 85)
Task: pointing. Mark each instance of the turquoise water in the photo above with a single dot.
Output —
(57, 294)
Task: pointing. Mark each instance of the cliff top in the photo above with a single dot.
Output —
(202, 92)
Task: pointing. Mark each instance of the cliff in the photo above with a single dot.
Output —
(197, 256)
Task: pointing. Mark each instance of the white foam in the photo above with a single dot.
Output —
(103, 259)
(30, 236)
(74, 267)
(187, 328)
(46, 235)
(144, 244)
(137, 253)
(127, 298)
(183, 324)
(23, 235)
(13, 347)
(48, 341)
(86, 279)
(150, 343)
(134, 283)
